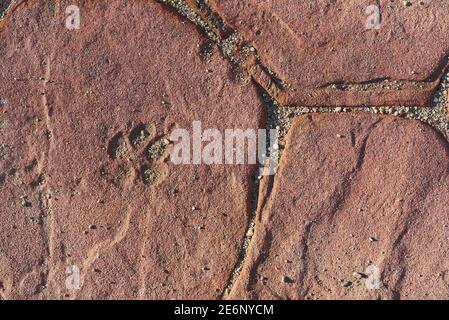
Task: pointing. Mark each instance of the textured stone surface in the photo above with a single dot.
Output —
(354, 193)
(85, 179)
(23, 236)
(75, 137)
(313, 44)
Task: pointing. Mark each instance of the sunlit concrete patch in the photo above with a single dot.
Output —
(357, 200)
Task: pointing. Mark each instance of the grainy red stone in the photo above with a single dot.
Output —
(123, 217)
(312, 44)
(355, 192)
(23, 140)
(85, 180)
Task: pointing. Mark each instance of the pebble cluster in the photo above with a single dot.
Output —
(436, 115)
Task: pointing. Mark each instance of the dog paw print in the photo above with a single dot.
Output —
(142, 134)
(154, 174)
(144, 151)
(118, 146)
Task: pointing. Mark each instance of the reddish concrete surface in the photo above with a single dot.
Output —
(358, 210)
(124, 218)
(313, 44)
(23, 139)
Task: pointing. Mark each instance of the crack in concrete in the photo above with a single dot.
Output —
(382, 84)
(281, 91)
(5, 6)
(245, 57)
(47, 214)
(273, 86)
(230, 43)
(239, 55)
(258, 197)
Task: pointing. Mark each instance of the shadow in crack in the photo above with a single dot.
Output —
(5, 5)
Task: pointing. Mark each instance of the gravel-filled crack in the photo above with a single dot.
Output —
(5, 6)
(280, 117)
(271, 106)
